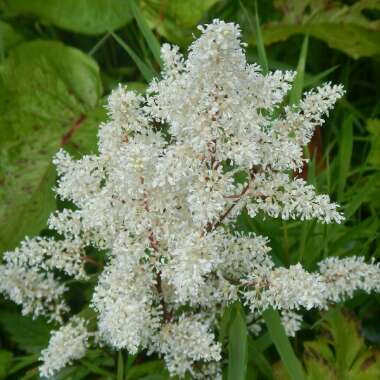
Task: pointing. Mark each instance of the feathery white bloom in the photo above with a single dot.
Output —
(209, 139)
(285, 289)
(38, 293)
(291, 321)
(185, 342)
(67, 344)
(346, 275)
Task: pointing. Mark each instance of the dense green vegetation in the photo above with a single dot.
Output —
(58, 62)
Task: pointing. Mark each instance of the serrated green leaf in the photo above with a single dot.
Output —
(49, 91)
(339, 353)
(342, 27)
(79, 16)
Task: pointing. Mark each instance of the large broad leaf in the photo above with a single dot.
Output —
(175, 19)
(28, 334)
(9, 37)
(345, 28)
(51, 92)
(80, 16)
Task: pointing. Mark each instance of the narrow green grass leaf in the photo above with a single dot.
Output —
(225, 323)
(145, 70)
(97, 46)
(150, 38)
(96, 369)
(314, 80)
(237, 349)
(22, 363)
(260, 43)
(296, 92)
(283, 346)
(264, 342)
(345, 152)
(259, 360)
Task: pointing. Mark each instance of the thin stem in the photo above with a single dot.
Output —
(120, 366)
(210, 227)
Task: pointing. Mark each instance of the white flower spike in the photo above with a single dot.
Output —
(157, 197)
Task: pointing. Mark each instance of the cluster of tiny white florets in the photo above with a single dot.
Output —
(175, 167)
(68, 343)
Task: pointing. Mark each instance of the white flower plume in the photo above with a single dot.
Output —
(209, 139)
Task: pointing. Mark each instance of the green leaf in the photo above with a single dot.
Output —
(346, 142)
(9, 37)
(225, 323)
(79, 16)
(150, 38)
(339, 353)
(342, 27)
(137, 372)
(28, 334)
(5, 363)
(175, 19)
(283, 346)
(23, 362)
(259, 360)
(296, 91)
(50, 91)
(237, 348)
(260, 43)
(373, 127)
(145, 70)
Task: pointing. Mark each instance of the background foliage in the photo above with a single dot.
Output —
(60, 59)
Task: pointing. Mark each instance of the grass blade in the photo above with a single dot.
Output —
(296, 92)
(99, 44)
(259, 360)
(237, 348)
(264, 342)
(260, 43)
(345, 152)
(145, 70)
(150, 38)
(283, 346)
(314, 80)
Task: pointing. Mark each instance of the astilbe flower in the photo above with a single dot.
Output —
(158, 197)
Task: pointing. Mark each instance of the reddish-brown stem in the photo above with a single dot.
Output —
(210, 227)
(90, 260)
(67, 136)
